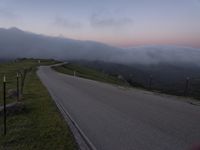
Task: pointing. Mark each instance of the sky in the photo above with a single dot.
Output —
(121, 23)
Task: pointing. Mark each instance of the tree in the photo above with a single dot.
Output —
(23, 73)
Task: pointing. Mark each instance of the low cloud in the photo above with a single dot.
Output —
(97, 20)
(65, 23)
(16, 43)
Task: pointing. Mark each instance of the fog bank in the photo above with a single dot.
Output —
(15, 43)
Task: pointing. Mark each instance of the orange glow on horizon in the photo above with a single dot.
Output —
(126, 42)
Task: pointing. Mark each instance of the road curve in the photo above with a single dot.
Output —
(115, 118)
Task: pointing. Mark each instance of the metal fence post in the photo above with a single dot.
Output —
(150, 81)
(186, 86)
(4, 102)
(17, 86)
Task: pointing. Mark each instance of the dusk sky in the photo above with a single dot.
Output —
(123, 23)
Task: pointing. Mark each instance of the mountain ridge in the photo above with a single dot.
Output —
(15, 43)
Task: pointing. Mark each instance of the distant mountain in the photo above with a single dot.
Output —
(16, 43)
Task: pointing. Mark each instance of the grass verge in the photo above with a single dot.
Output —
(89, 73)
(40, 126)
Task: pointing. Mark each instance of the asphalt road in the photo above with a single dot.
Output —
(116, 118)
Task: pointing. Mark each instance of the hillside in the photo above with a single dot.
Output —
(165, 77)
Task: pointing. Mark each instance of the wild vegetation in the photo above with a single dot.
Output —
(86, 72)
(161, 77)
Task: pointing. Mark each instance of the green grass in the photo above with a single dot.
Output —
(89, 73)
(10, 69)
(40, 126)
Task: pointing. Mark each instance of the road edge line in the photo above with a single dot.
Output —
(82, 134)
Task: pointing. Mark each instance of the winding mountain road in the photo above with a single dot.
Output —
(117, 118)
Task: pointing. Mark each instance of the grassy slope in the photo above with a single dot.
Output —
(167, 78)
(10, 69)
(89, 74)
(40, 126)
